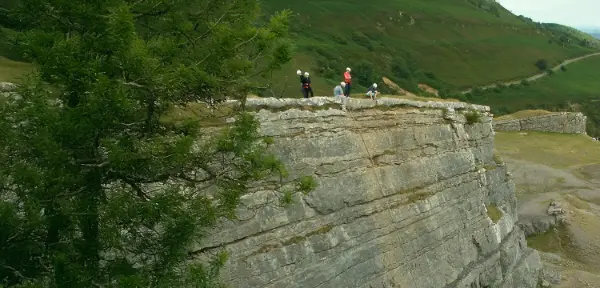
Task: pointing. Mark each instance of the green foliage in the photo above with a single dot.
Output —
(477, 91)
(494, 213)
(287, 198)
(498, 159)
(472, 117)
(306, 184)
(541, 64)
(400, 69)
(524, 82)
(563, 68)
(363, 73)
(95, 191)
(451, 39)
(499, 87)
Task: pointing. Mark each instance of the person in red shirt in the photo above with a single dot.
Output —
(348, 80)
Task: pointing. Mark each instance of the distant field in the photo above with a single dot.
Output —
(13, 71)
(576, 89)
(551, 149)
(580, 82)
(523, 114)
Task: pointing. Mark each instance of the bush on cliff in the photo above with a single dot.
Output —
(472, 117)
(97, 191)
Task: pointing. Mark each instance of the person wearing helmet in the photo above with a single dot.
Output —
(306, 88)
(299, 73)
(338, 92)
(348, 81)
(372, 92)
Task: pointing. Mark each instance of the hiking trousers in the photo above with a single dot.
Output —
(306, 91)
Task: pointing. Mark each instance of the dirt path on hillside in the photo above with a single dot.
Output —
(540, 75)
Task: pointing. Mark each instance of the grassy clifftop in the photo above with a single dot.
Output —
(445, 43)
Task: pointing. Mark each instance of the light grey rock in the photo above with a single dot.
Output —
(551, 275)
(536, 224)
(7, 87)
(401, 201)
(559, 122)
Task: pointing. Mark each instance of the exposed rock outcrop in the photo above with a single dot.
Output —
(560, 122)
(402, 197)
(7, 87)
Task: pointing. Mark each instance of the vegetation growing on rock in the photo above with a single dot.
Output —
(494, 213)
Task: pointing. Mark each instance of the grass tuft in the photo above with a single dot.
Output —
(494, 213)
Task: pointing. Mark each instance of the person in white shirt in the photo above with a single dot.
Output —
(338, 92)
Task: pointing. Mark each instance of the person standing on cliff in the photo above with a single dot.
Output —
(299, 73)
(348, 81)
(306, 88)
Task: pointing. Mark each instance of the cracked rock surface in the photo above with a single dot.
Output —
(402, 201)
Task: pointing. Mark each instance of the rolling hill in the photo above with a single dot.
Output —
(575, 89)
(450, 44)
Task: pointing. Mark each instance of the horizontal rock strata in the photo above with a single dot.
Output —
(404, 199)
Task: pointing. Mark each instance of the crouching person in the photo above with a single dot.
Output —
(373, 92)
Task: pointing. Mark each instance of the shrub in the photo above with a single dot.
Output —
(525, 82)
(362, 40)
(363, 73)
(400, 68)
(550, 72)
(477, 91)
(498, 160)
(444, 93)
(515, 86)
(461, 97)
(467, 97)
(430, 75)
(563, 68)
(542, 64)
(472, 117)
(338, 39)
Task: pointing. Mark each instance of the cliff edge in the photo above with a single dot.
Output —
(409, 195)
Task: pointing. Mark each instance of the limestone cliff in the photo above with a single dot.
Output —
(401, 202)
(559, 122)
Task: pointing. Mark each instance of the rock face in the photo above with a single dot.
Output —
(562, 122)
(401, 202)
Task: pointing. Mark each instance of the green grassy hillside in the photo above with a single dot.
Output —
(577, 88)
(447, 44)
(444, 43)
